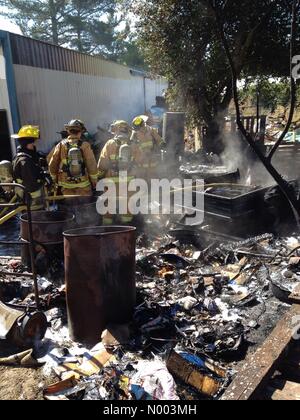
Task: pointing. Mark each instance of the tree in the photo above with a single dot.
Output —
(272, 93)
(180, 40)
(93, 24)
(88, 26)
(39, 19)
(66, 22)
(294, 7)
(125, 49)
(131, 55)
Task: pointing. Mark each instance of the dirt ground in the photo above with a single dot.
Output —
(22, 384)
(19, 383)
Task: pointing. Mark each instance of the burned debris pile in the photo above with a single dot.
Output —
(200, 310)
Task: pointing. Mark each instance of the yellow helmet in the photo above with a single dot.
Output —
(28, 132)
(139, 122)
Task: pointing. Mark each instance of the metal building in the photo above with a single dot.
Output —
(47, 85)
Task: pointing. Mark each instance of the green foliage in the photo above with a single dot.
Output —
(40, 19)
(93, 24)
(180, 41)
(272, 93)
(88, 26)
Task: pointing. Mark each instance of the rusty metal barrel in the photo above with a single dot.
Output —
(48, 228)
(100, 279)
(84, 209)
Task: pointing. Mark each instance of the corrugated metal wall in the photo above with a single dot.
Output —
(55, 84)
(51, 98)
(34, 53)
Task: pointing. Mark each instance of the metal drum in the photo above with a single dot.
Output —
(48, 228)
(100, 279)
(84, 209)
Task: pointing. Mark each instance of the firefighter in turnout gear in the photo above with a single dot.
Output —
(149, 142)
(26, 166)
(6, 177)
(119, 155)
(73, 166)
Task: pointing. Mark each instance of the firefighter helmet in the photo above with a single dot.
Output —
(121, 127)
(6, 172)
(139, 122)
(28, 132)
(75, 124)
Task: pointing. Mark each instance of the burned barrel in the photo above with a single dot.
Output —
(84, 209)
(100, 279)
(48, 228)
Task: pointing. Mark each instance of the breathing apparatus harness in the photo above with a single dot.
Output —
(75, 166)
(123, 160)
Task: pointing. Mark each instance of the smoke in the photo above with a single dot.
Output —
(233, 156)
(238, 155)
(84, 209)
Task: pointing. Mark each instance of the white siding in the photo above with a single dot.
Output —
(50, 98)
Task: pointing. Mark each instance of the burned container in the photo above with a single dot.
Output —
(22, 329)
(84, 209)
(48, 228)
(234, 210)
(209, 173)
(100, 279)
(232, 200)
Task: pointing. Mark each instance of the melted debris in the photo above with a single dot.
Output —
(208, 306)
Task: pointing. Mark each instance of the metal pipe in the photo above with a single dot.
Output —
(12, 201)
(31, 250)
(12, 214)
(62, 197)
(20, 209)
(8, 205)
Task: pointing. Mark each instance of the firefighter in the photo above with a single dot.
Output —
(64, 135)
(6, 177)
(26, 166)
(119, 155)
(149, 143)
(73, 166)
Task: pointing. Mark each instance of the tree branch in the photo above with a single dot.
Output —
(284, 187)
(293, 83)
